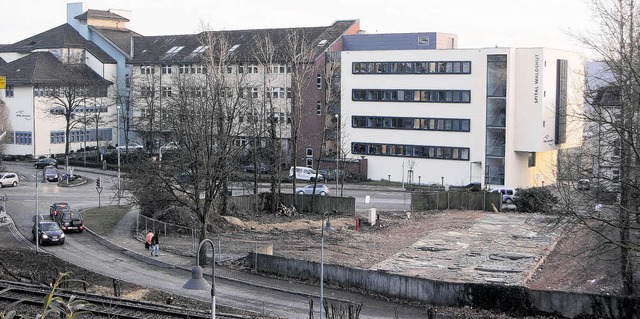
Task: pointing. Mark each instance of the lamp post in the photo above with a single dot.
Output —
(118, 150)
(337, 152)
(37, 217)
(197, 281)
(326, 227)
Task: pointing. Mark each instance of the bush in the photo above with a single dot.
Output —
(536, 199)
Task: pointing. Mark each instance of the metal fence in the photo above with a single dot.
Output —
(184, 241)
(482, 200)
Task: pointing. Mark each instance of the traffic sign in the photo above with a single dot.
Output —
(3, 82)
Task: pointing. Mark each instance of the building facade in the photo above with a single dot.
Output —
(494, 116)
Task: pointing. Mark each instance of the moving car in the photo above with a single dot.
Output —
(48, 233)
(70, 220)
(321, 189)
(132, 146)
(44, 162)
(51, 174)
(57, 208)
(7, 179)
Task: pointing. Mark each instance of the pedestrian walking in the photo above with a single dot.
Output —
(147, 243)
(155, 245)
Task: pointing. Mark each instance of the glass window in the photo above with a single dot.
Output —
(8, 91)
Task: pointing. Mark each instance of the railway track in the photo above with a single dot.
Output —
(103, 306)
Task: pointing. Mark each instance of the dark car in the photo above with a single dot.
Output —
(584, 185)
(51, 174)
(262, 168)
(70, 220)
(48, 233)
(57, 208)
(44, 162)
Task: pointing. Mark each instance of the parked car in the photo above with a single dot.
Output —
(325, 174)
(7, 179)
(51, 174)
(584, 184)
(262, 168)
(70, 220)
(507, 194)
(321, 189)
(132, 146)
(44, 162)
(48, 233)
(57, 208)
(305, 174)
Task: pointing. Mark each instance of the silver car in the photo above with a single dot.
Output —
(7, 179)
(321, 189)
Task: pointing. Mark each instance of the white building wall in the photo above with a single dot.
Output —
(527, 123)
(20, 112)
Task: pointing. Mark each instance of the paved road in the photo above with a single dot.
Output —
(124, 258)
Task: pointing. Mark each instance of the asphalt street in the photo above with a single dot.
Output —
(123, 257)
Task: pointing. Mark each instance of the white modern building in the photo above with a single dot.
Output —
(495, 116)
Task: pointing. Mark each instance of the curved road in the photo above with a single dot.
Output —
(284, 299)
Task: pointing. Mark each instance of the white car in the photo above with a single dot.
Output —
(131, 146)
(305, 174)
(321, 189)
(507, 194)
(7, 179)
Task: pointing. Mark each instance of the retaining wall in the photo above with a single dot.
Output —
(512, 299)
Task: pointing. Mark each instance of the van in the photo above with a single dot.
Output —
(507, 194)
(305, 174)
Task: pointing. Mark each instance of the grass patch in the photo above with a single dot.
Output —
(102, 220)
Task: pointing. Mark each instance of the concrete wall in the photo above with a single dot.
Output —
(517, 299)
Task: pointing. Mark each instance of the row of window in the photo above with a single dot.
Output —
(420, 67)
(411, 123)
(80, 135)
(19, 137)
(201, 69)
(420, 151)
(249, 92)
(430, 96)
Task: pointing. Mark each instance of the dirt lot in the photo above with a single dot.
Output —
(440, 245)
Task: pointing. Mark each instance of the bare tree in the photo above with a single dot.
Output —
(73, 85)
(610, 155)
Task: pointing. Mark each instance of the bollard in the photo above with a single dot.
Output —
(357, 224)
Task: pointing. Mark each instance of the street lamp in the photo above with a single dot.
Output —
(118, 150)
(37, 217)
(197, 281)
(337, 153)
(326, 227)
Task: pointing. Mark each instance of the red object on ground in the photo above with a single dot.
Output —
(357, 224)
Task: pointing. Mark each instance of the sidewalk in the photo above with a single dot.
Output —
(122, 237)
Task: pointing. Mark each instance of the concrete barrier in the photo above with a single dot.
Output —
(511, 299)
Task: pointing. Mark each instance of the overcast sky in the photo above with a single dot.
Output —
(488, 23)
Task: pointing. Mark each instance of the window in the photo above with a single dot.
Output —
(615, 175)
(146, 91)
(318, 108)
(240, 68)
(278, 68)
(20, 138)
(420, 151)
(166, 91)
(147, 69)
(252, 69)
(322, 43)
(423, 40)
(229, 69)
(201, 49)
(417, 67)
(319, 81)
(166, 69)
(175, 49)
(277, 93)
(309, 152)
(289, 93)
(429, 96)
(184, 69)
(254, 92)
(309, 162)
(532, 159)
(198, 69)
(8, 91)
(57, 137)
